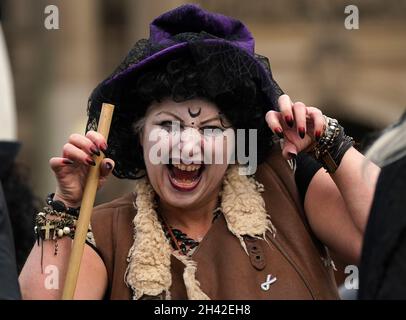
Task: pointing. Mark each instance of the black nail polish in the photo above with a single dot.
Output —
(67, 161)
(103, 147)
(292, 155)
(109, 166)
(95, 151)
(91, 162)
(289, 121)
(302, 132)
(279, 132)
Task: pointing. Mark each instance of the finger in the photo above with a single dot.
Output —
(318, 121)
(274, 119)
(299, 111)
(77, 155)
(285, 106)
(289, 150)
(97, 139)
(84, 144)
(56, 163)
(106, 167)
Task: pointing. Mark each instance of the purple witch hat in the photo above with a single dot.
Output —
(217, 43)
(190, 28)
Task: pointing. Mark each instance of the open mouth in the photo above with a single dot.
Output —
(185, 177)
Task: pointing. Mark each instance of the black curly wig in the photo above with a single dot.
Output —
(237, 96)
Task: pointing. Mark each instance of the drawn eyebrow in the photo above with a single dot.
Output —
(210, 119)
(171, 114)
(218, 117)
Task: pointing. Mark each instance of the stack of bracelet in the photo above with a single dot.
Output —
(60, 206)
(330, 149)
(57, 221)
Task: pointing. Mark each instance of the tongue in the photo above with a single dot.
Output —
(184, 175)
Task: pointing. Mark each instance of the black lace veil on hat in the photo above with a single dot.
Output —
(191, 53)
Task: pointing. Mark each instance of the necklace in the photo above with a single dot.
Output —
(179, 240)
(149, 258)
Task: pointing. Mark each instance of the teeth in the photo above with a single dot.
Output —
(189, 167)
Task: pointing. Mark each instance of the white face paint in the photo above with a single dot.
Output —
(186, 151)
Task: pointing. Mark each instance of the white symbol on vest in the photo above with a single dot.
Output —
(267, 284)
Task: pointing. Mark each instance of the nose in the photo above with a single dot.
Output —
(191, 144)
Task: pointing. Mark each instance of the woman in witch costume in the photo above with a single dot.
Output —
(193, 228)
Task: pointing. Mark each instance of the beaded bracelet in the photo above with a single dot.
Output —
(59, 206)
(53, 225)
(60, 225)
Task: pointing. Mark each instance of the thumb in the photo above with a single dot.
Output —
(106, 167)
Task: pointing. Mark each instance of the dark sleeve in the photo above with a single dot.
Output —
(9, 289)
(306, 168)
(383, 264)
(393, 283)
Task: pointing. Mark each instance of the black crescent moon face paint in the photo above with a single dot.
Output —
(194, 114)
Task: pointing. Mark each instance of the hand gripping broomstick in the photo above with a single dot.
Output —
(89, 196)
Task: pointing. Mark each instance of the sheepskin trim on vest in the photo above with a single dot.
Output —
(149, 258)
(243, 207)
(189, 277)
(149, 269)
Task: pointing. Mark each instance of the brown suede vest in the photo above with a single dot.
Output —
(295, 257)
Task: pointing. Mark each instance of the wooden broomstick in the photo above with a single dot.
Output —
(89, 196)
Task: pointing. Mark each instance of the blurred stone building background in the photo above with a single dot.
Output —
(357, 76)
